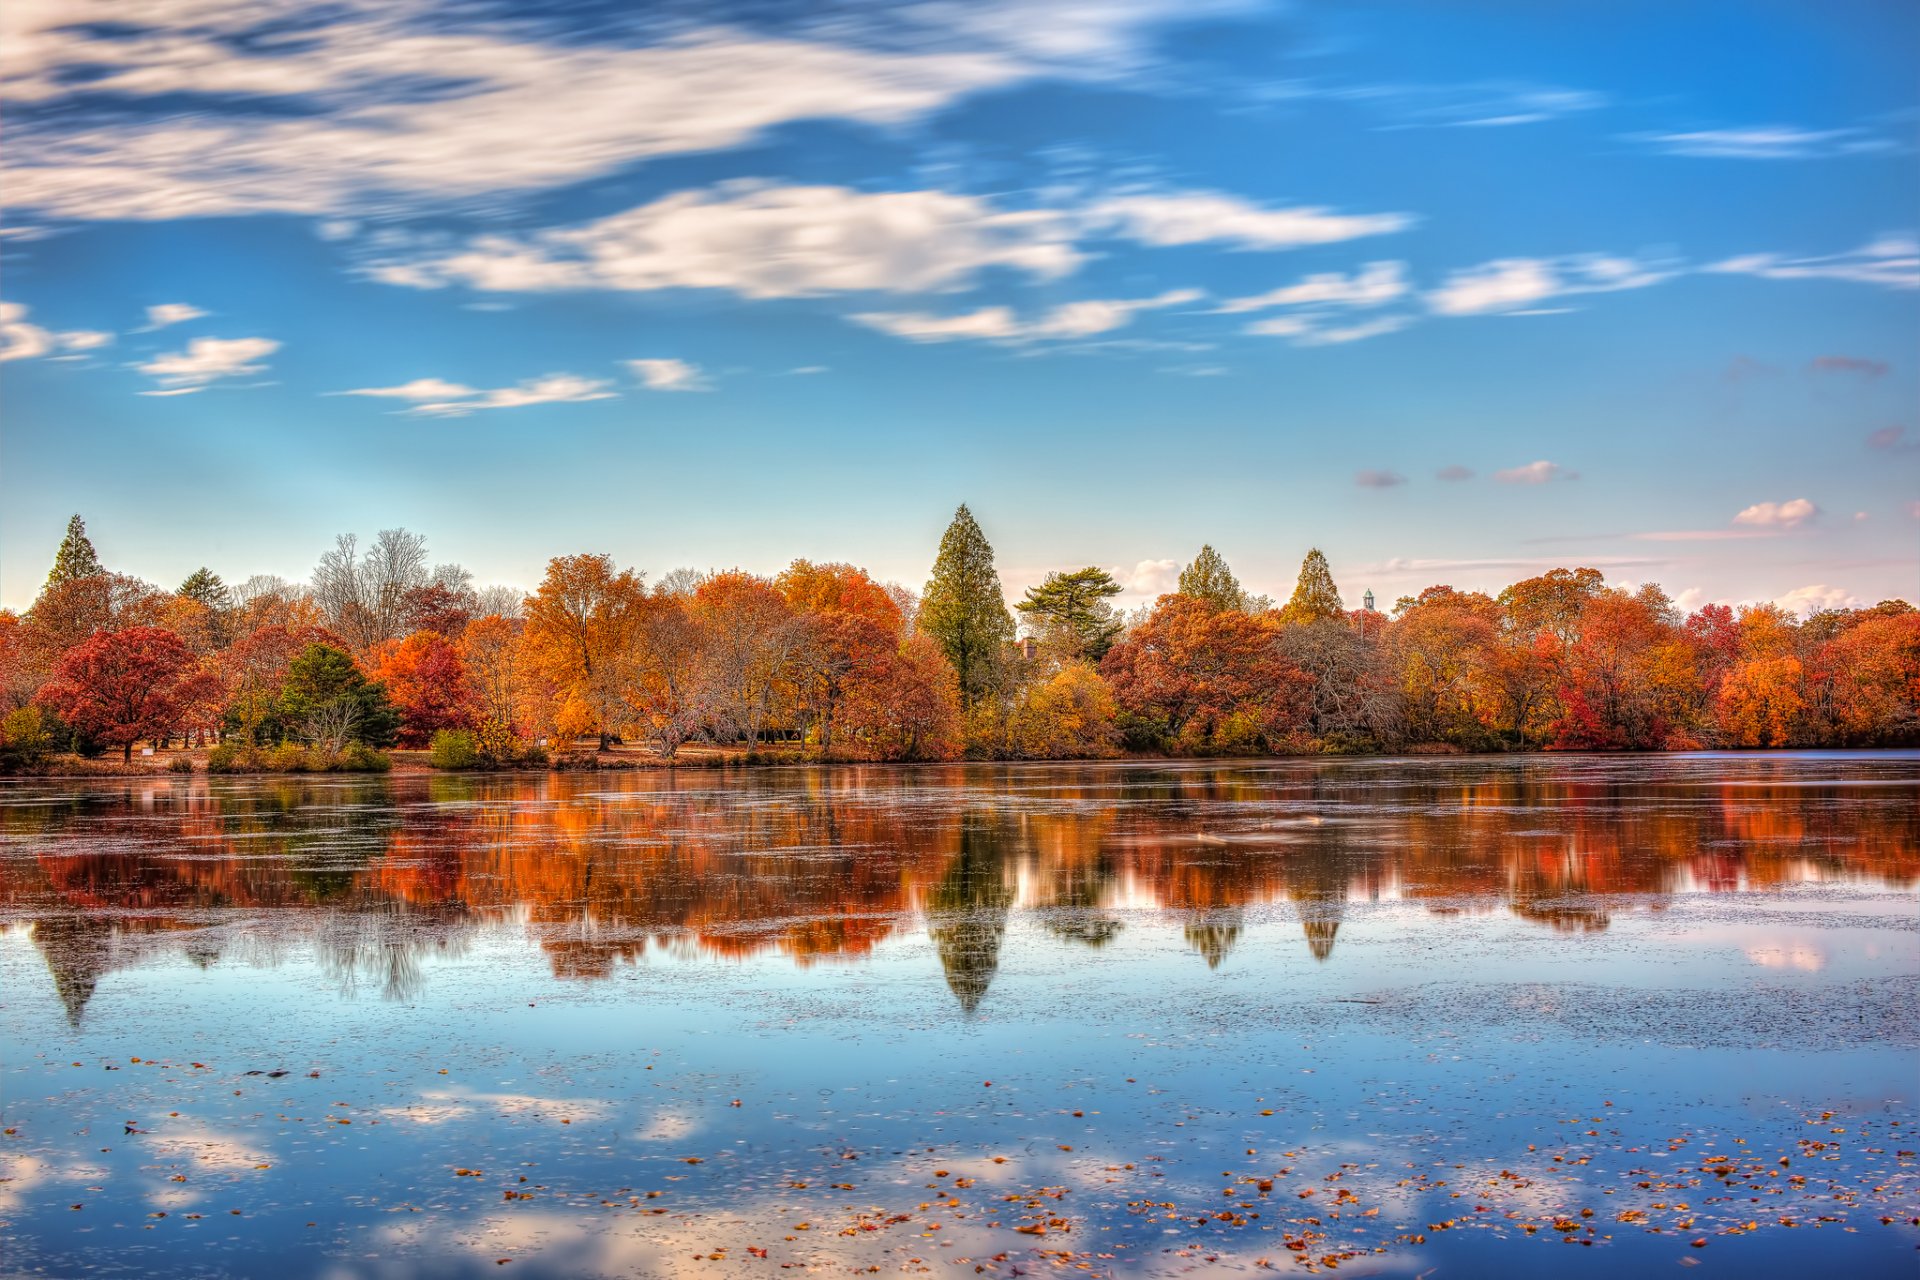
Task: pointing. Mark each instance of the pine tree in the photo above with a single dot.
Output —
(964, 609)
(204, 585)
(1074, 607)
(1315, 598)
(76, 558)
(1209, 579)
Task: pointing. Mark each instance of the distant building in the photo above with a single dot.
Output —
(1366, 601)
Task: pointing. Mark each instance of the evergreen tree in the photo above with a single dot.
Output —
(205, 586)
(964, 609)
(1315, 598)
(1209, 579)
(329, 701)
(1073, 606)
(76, 558)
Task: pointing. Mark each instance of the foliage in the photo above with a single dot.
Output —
(27, 738)
(121, 686)
(454, 749)
(1182, 674)
(328, 702)
(1071, 614)
(1208, 579)
(289, 757)
(964, 609)
(1315, 598)
(578, 628)
(427, 683)
(76, 557)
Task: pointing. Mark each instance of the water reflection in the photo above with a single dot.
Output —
(378, 876)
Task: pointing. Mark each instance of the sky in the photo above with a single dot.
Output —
(1456, 292)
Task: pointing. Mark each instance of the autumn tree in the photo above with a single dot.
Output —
(1551, 603)
(1442, 647)
(1626, 675)
(254, 669)
(1349, 694)
(1071, 614)
(751, 636)
(120, 686)
(1198, 677)
(964, 608)
(1070, 715)
(910, 708)
(427, 684)
(1315, 598)
(1209, 579)
(490, 651)
(669, 682)
(579, 627)
(848, 630)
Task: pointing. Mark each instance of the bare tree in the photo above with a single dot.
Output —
(365, 595)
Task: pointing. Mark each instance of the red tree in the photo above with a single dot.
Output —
(120, 686)
(427, 682)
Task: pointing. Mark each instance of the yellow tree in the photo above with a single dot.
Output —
(579, 627)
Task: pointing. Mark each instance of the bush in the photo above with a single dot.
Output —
(454, 749)
(361, 758)
(25, 739)
(227, 758)
(288, 757)
(180, 764)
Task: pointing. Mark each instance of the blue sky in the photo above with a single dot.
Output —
(1453, 291)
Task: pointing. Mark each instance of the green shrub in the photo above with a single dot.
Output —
(228, 757)
(454, 749)
(25, 739)
(288, 757)
(180, 764)
(358, 757)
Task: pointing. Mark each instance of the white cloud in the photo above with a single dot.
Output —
(663, 374)
(1819, 595)
(420, 389)
(1374, 285)
(1511, 284)
(21, 339)
(1000, 324)
(1767, 142)
(408, 101)
(206, 360)
(1542, 472)
(435, 398)
(166, 313)
(765, 241)
(1150, 578)
(1892, 261)
(1353, 332)
(1198, 217)
(1778, 515)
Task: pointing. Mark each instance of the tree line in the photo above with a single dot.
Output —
(823, 661)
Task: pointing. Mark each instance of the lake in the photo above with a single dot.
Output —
(1478, 1017)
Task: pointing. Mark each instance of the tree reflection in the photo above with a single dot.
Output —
(373, 878)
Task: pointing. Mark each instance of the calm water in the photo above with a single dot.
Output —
(1484, 1017)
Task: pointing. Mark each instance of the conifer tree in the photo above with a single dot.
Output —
(1315, 598)
(204, 585)
(1209, 579)
(964, 609)
(1074, 607)
(76, 558)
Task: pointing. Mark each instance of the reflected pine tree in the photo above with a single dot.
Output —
(967, 913)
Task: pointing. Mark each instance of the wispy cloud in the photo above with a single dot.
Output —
(209, 360)
(1001, 324)
(1454, 473)
(21, 339)
(1865, 367)
(1767, 142)
(437, 398)
(1373, 285)
(410, 103)
(1474, 105)
(1892, 261)
(163, 314)
(1542, 472)
(667, 374)
(1202, 217)
(1778, 515)
(1378, 479)
(1893, 439)
(1511, 285)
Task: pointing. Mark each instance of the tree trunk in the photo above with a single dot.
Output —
(126, 753)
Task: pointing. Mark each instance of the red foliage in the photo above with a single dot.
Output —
(427, 683)
(1191, 666)
(121, 686)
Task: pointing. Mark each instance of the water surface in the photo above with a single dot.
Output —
(1473, 1017)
